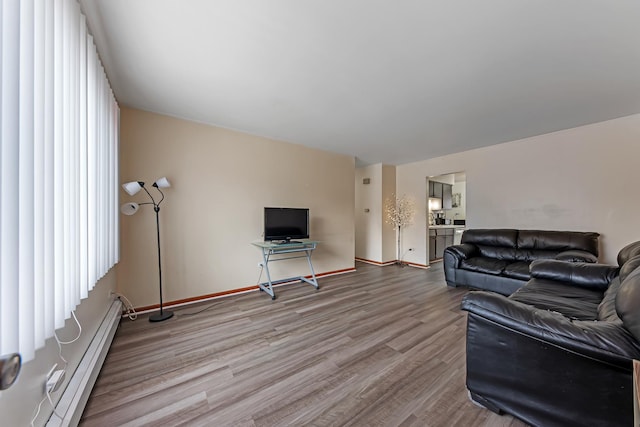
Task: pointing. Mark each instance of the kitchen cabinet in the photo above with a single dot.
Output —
(432, 244)
(437, 190)
(441, 191)
(444, 238)
(439, 239)
(447, 196)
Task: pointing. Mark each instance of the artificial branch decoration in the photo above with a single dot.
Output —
(400, 212)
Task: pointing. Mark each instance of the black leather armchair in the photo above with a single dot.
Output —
(559, 351)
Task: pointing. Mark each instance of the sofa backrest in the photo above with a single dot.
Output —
(529, 245)
(558, 241)
(628, 300)
(493, 243)
(506, 238)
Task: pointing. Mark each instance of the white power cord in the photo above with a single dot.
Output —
(33, 420)
(53, 406)
(61, 343)
(73, 313)
(131, 312)
(66, 363)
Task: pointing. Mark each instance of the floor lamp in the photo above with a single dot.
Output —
(131, 208)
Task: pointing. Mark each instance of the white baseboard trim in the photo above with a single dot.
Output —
(76, 395)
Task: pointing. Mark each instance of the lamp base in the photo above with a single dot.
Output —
(160, 316)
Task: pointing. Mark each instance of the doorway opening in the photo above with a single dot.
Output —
(446, 212)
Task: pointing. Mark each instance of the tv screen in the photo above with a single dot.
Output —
(286, 223)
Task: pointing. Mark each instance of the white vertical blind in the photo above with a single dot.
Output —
(9, 175)
(26, 173)
(58, 169)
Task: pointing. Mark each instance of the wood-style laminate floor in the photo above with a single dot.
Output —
(382, 346)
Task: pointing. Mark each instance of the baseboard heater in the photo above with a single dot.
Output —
(76, 395)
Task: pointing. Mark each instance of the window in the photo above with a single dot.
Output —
(58, 169)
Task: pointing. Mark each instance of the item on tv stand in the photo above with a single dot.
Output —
(286, 223)
(287, 242)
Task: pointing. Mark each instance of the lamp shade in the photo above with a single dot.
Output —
(132, 187)
(162, 182)
(129, 208)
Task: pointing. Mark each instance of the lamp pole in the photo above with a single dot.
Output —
(162, 315)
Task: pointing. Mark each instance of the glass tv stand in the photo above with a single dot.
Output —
(272, 252)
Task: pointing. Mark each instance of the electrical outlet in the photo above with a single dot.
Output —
(55, 381)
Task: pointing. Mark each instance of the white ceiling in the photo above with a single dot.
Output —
(384, 81)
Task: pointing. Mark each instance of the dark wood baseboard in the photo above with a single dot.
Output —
(203, 298)
(382, 264)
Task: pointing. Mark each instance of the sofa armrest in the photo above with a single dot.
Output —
(462, 251)
(452, 257)
(609, 342)
(577, 255)
(591, 276)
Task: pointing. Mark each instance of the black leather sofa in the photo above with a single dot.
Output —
(498, 259)
(559, 351)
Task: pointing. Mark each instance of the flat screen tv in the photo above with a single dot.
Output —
(285, 224)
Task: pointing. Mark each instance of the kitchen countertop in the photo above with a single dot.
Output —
(447, 226)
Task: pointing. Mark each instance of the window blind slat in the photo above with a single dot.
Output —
(9, 157)
(39, 169)
(26, 172)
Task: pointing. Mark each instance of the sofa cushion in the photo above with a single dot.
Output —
(576, 255)
(573, 302)
(484, 265)
(607, 308)
(517, 270)
(497, 252)
(628, 303)
(628, 267)
(628, 252)
(506, 238)
(558, 240)
(534, 254)
(579, 274)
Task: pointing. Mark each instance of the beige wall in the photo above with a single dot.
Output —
(388, 231)
(576, 179)
(369, 224)
(375, 239)
(19, 403)
(221, 181)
